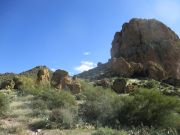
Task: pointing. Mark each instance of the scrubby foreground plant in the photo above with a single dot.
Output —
(4, 103)
(143, 107)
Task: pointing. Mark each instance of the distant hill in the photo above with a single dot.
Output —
(101, 71)
(32, 73)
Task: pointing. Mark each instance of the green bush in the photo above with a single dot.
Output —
(57, 99)
(143, 107)
(98, 108)
(63, 118)
(151, 84)
(148, 107)
(3, 104)
(24, 85)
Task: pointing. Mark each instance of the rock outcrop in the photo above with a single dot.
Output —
(121, 66)
(43, 76)
(62, 81)
(150, 43)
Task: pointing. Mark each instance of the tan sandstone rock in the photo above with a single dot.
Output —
(43, 76)
(62, 81)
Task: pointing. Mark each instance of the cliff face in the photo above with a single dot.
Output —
(143, 41)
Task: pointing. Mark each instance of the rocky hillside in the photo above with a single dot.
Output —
(32, 73)
(143, 48)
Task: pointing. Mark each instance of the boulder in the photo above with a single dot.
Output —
(137, 69)
(121, 67)
(7, 84)
(155, 71)
(59, 79)
(144, 40)
(62, 81)
(105, 83)
(43, 76)
(119, 85)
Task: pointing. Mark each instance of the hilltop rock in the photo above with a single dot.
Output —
(32, 73)
(148, 42)
(43, 76)
(59, 78)
(62, 81)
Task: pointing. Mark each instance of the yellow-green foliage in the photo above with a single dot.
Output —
(4, 103)
(24, 84)
(145, 106)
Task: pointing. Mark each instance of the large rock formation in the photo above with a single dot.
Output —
(43, 76)
(150, 43)
(62, 81)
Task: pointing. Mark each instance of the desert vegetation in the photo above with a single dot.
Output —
(95, 110)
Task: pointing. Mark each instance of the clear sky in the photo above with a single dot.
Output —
(70, 34)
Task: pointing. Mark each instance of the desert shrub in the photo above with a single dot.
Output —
(42, 124)
(119, 85)
(7, 84)
(147, 107)
(4, 102)
(98, 107)
(108, 131)
(144, 106)
(151, 84)
(39, 107)
(63, 118)
(57, 99)
(24, 85)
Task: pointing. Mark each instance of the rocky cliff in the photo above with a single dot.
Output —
(143, 48)
(148, 41)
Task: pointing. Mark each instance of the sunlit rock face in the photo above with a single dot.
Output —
(149, 41)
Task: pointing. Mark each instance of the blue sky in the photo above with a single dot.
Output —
(70, 34)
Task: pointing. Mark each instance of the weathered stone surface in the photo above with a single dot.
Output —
(142, 40)
(62, 81)
(155, 71)
(137, 69)
(59, 78)
(43, 76)
(121, 66)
